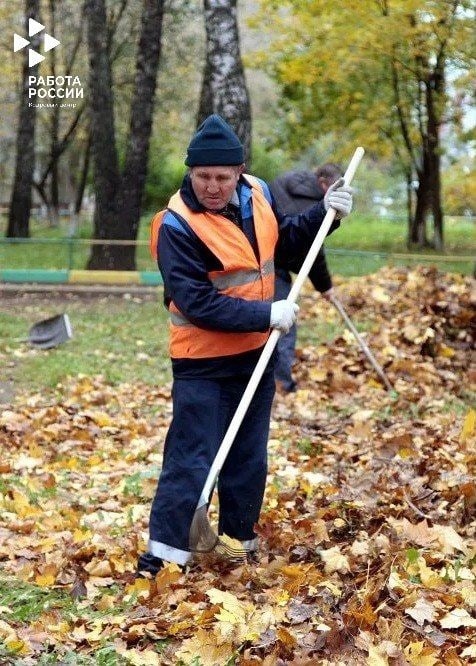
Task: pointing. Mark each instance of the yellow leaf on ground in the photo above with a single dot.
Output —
(81, 535)
(45, 580)
(100, 418)
(17, 646)
(458, 617)
(429, 578)
(140, 587)
(376, 657)
(167, 575)
(106, 602)
(445, 351)
(469, 426)
(334, 560)
(318, 374)
(380, 295)
(286, 638)
(470, 651)
(140, 657)
(281, 597)
(419, 655)
(46, 576)
(99, 568)
(204, 646)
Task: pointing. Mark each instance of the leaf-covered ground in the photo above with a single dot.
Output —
(367, 551)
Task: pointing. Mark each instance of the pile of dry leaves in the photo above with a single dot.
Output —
(367, 533)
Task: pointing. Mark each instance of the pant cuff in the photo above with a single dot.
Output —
(168, 553)
(251, 544)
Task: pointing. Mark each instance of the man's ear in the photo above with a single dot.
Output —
(241, 169)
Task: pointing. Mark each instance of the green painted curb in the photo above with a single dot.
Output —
(19, 275)
(35, 275)
(151, 277)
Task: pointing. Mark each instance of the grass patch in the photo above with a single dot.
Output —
(27, 602)
(366, 234)
(103, 656)
(317, 332)
(54, 248)
(123, 340)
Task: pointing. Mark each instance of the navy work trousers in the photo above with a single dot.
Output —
(286, 343)
(202, 411)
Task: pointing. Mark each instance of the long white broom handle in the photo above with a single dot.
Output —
(323, 231)
(263, 360)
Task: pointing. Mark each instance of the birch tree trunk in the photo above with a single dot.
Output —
(429, 175)
(224, 89)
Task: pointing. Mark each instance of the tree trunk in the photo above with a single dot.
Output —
(118, 197)
(21, 199)
(418, 235)
(58, 145)
(54, 177)
(142, 111)
(409, 191)
(429, 188)
(205, 107)
(54, 135)
(103, 136)
(434, 88)
(224, 89)
(83, 178)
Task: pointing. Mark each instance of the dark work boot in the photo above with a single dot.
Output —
(147, 563)
(252, 557)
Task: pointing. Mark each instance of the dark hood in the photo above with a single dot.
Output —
(302, 184)
(296, 191)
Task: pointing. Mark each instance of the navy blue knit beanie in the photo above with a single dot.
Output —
(214, 144)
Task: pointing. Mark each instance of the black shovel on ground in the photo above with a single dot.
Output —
(50, 332)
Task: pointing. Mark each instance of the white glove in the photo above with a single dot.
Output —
(283, 315)
(339, 197)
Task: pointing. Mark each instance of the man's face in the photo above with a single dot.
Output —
(214, 185)
(325, 183)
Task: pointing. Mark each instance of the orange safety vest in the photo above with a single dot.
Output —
(242, 275)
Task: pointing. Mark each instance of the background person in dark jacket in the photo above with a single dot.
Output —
(295, 192)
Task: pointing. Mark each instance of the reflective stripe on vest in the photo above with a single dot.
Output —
(242, 276)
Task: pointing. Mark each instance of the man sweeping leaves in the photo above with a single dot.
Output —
(216, 244)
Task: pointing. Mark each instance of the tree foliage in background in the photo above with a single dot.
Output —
(61, 125)
(224, 89)
(10, 90)
(335, 84)
(379, 74)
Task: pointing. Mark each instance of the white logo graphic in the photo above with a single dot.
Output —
(33, 29)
